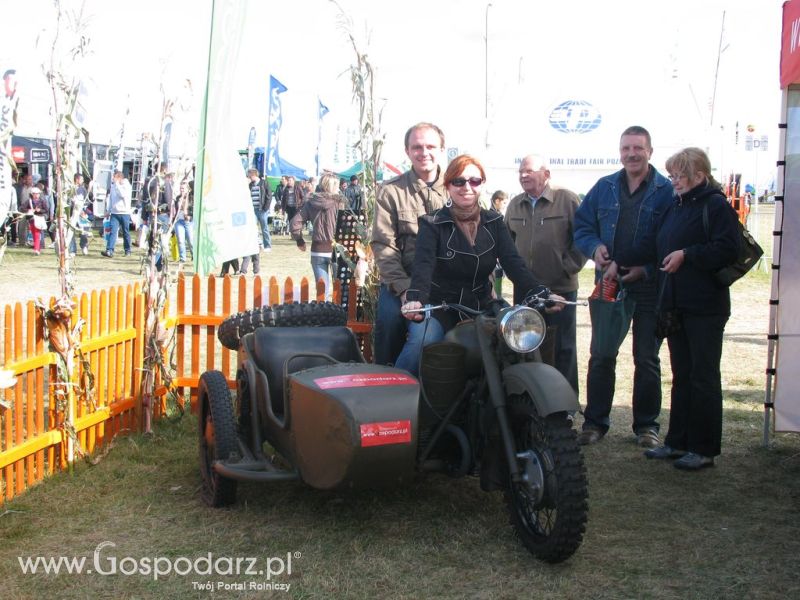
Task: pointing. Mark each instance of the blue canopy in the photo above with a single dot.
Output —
(286, 168)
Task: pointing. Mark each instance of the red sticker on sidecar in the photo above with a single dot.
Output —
(388, 432)
(364, 380)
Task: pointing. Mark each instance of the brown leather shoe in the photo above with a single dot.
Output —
(648, 438)
(589, 436)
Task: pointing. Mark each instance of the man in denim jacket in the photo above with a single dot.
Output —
(616, 213)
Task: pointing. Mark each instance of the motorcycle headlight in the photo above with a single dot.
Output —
(523, 329)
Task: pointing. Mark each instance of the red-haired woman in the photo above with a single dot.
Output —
(458, 248)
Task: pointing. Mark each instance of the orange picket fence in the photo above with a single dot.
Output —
(107, 399)
(33, 433)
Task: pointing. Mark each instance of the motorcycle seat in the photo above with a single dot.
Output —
(273, 346)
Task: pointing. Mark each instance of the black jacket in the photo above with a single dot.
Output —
(691, 288)
(447, 268)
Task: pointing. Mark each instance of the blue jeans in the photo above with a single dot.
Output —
(262, 216)
(601, 378)
(390, 327)
(183, 231)
(420, 334)
(321, 267)
(120, 221)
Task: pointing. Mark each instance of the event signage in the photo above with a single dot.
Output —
(225, 223)
(575, 116)
(581, 162)
(40, 155)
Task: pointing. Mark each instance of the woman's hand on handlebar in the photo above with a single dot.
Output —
(412, 316)
(554, 303)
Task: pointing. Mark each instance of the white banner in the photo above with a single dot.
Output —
(225, 220)
(8, 106)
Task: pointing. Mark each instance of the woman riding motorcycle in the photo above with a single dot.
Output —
(458, 248)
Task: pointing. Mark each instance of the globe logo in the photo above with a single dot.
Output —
(575, 116)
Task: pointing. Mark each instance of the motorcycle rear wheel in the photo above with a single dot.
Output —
(292, 314)
(217, 435)
(549, 523)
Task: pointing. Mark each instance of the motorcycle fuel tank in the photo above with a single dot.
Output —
(354, 425)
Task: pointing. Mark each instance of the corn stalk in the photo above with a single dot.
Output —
(158, 278)
(66, 56)
(370, 148)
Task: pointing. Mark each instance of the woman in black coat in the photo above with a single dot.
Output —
(457, 250)
(690, 248)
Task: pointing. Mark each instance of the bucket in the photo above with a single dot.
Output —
(443, 376)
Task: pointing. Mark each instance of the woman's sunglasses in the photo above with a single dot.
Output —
(461, 181)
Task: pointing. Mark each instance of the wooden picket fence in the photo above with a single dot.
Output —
(33, 436)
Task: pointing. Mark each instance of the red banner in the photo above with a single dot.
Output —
(388, 432)
(790, 44)
(364, 380)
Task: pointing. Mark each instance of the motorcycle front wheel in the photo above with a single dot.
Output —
(549, 510)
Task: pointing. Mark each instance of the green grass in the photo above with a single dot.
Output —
(653, 532)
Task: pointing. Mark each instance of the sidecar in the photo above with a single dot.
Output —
(307, 407)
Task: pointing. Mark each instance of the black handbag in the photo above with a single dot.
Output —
(668, 322)
(749, 254)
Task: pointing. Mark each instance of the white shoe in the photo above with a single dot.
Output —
(85, 251)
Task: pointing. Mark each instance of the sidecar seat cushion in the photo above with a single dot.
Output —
(272, 346)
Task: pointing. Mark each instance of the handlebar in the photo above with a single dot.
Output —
(428, 308)
(538, 301)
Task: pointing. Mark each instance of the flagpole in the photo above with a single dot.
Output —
(197, 217)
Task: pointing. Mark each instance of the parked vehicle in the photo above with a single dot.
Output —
(485, 405)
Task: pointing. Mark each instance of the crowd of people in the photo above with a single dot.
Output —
(658, 238)
(433, 242)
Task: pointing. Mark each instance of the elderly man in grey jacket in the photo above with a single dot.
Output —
(540, 220)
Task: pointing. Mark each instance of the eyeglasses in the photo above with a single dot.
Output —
(461, 181)
(676, 177)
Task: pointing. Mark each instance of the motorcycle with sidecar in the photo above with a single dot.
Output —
(484, 405)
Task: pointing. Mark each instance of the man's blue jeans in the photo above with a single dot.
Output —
(390, 327)
(601, 378)
(120, 221)
(263, 219)
(420, 334)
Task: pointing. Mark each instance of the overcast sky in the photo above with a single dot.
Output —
(636, 62)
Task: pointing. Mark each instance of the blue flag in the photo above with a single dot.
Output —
(274, 127)
(323, 110)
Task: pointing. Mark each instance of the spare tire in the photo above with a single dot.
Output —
(294, 314)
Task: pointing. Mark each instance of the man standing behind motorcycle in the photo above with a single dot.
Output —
(618, 211)
(400, 202)
(458, 248)
(541, 222)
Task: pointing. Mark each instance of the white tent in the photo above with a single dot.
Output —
(783, 382)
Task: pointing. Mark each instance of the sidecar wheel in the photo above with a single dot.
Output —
(550, 521)
(294, 314)
(217, 437)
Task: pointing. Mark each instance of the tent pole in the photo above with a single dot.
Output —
(773, 339)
